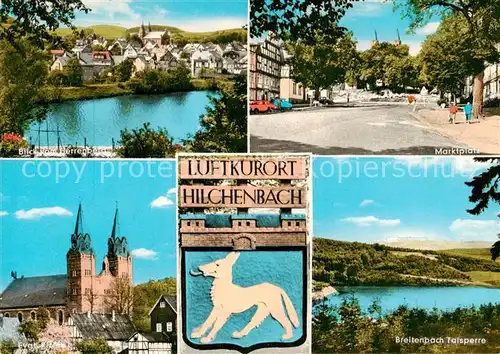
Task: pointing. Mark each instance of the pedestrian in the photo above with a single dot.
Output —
(453, 113)
(468, 112)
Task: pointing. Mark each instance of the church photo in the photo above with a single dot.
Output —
(82, 264)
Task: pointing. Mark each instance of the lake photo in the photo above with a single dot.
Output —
(100, 121)
(403, 249)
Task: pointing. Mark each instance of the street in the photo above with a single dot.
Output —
(363, 130)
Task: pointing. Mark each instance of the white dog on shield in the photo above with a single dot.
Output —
(229, 298)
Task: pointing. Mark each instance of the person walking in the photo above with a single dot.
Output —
(453, 113)
(468, 112)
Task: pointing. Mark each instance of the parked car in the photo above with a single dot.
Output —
(282, 104)
(260, 106)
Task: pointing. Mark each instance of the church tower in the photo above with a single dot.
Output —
(81, 268)
(375, 41)
(142, 32)
(118, 256)
(397, 42)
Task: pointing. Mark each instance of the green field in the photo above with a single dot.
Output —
(355, 263)
(485, 277)
(112, 32)
(479, 253)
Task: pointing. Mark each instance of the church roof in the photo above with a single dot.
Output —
(35, 292)
(102, 326)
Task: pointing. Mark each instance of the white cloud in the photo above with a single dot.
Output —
(172, 191)
(3, 213)
(429, 28)
(144, 253)
(366, 202)
(37, 213)
(110, 8)
(161, 202)
(475, 229)
(372, 220)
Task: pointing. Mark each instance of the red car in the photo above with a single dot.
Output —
(261, 106)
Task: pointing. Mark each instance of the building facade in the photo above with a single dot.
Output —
(82, 289)
(266, 60)
(289, 89)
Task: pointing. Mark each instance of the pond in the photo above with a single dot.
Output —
(443, 298)
(101, 120)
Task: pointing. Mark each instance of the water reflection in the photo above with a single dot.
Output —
(101, 120)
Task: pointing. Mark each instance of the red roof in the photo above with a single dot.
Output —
(57, 51)
(106, 54)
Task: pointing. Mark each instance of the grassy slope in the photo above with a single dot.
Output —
(479, 253)
(380, 264)
(110, 32)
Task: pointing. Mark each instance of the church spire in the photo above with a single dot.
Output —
(78, 224)
(115, 224)
(117, 246)
(80, 241)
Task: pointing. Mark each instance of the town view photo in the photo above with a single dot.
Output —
(95, 78)
(406, 248)
(384, 77)
(87, 268)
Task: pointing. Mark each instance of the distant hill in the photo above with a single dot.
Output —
(355, 263)
(178, 35)
(436, 244)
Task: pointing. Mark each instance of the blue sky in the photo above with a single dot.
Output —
(38, 211)
(189, 15)
(414, 199)
(370, 15)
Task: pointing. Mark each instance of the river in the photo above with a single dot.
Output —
(443, 298)
(101, 120)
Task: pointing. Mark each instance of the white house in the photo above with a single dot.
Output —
(149, 343)
(201, 60)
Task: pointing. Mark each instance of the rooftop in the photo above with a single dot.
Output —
(34, 292)
(102, 326)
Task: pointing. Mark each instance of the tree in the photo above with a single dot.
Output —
(146, 295)
(30, 329)
(390, 64)
(323, 64)
(485, 186)
(121, 296)
(93, 346)
(485, 189)
(444, 64)
(7, 346)
(224, 125)
(146, 142)
(298, 20)
(23, 71)
(43, 317)
(123, 71)
(36, 20)
(73, 72)
(482, 29)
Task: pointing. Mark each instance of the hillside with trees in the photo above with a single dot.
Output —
(355, 263)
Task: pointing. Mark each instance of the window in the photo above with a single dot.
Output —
(74, 273)
(162, 304)
(60, 317)
(33, 315)
(7, 315)
(189, 223)
(88, 272)
(239, 223)
(297, 223)
(75, 291)
(20, 317)
(169, 326)
(289, 223)
(158, 327)
(248, 223)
